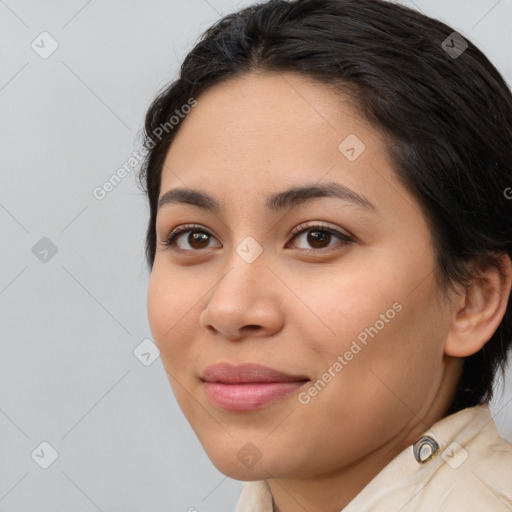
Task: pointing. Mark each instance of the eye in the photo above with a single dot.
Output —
(198, 238)
(319, 236)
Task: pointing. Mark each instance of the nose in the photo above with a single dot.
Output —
(244, 303)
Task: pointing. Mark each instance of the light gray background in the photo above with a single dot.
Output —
(68, 375)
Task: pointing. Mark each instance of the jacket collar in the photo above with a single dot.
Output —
(406, 471)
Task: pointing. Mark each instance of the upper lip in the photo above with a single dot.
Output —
(245, 373)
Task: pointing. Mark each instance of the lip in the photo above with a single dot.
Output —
(247, 387)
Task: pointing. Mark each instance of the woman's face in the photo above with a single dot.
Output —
(348, 311)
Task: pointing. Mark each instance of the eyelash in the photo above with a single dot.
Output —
(169, 241)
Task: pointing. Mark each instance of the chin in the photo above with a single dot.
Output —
(244, 461)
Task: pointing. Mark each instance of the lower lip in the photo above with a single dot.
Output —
(250, 396)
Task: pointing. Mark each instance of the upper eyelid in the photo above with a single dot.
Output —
(303, 226)
(185, 228)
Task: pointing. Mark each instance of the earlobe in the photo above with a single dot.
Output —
(480, 311)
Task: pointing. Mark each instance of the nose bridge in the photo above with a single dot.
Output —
(247, 260)
(244, 277)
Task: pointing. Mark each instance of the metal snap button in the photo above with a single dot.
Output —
(425, 449)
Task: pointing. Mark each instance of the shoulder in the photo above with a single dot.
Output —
(471, 471)
(485, 483)
(475, 473)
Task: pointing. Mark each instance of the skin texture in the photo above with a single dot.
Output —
(297, 310)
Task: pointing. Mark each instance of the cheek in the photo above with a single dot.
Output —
(342, 302)
(390, 358)
(382, 331)
(169, 303)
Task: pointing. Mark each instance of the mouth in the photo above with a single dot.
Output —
(247, 387)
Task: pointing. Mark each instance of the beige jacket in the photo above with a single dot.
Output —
(472, 471)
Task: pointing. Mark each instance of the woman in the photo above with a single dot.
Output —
(330, 241)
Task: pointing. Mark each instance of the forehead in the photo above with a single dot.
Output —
(265, 131)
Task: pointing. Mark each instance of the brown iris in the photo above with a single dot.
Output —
(318, 237)
(198, 240)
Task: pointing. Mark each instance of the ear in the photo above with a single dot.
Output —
(478, 313)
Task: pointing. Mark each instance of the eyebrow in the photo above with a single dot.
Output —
(287, 199)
